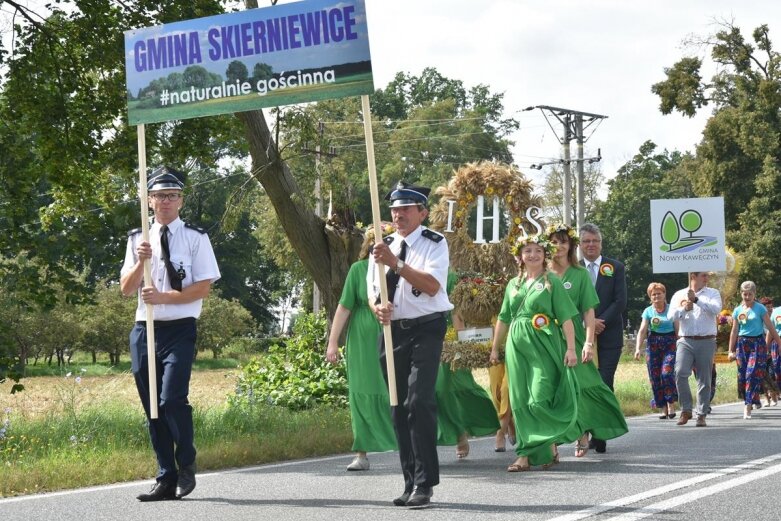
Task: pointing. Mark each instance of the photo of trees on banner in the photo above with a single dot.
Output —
(280, 55)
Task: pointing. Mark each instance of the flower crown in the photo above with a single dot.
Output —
(540, 240)
(569, 230)
(386, 227)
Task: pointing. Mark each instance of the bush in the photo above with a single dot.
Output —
(296, 375)
(243, 348)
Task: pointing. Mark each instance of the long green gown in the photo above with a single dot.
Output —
(368, 394)
(462, 405)
(543, 392)
(598, 409)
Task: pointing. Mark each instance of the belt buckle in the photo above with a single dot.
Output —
(403, 323)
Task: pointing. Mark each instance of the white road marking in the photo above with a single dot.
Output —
(667, 504)
(648, 494)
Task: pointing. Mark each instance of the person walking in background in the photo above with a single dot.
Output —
(659, 350)
(500, 396)
(183, 269)
(775, 356)
(463, 407)
(368, 395)
(598, 410)
(609, 280)
(695, 308)
(770, 381)
(747, 344)
(543, 388)
(416, 265)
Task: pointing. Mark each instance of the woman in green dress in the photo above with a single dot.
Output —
(369, 403)
(598, 409)
(464, 408)
(543, 387)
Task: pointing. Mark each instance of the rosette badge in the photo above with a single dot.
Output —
(742, 318)
(606, 270)
(540, 321)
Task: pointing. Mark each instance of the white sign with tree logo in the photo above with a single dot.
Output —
(688, 235)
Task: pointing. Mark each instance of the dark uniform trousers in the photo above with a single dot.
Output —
(608, 363)
(172, 432)
(416, 355)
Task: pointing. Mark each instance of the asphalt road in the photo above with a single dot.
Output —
(730, 470)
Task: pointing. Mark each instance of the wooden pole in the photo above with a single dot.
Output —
(150, 315)
(376, 222)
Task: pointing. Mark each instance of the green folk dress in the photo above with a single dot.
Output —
(543, 392)
(598, 409)
(462, 405)
(368, 394)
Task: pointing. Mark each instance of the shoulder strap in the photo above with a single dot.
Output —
(432, 235)
(196, 228)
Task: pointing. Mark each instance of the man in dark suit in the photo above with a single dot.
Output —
(608, 277)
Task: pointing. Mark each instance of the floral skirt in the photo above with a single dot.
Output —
(660, 360)
(752, 367)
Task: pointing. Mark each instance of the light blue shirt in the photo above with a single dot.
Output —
(750, 320)
(775, 318)
(658, 322)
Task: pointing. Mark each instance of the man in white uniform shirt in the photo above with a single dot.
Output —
(416, 263)
(695, 308)
(183, 268)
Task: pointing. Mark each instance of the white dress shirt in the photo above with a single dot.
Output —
(701, 320)
(191, 251)
(425, 255)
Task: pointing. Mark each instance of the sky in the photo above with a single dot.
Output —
(596, 56)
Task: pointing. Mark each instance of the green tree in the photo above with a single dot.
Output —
(106, 323)
(625, 220)
(221, 321)
(261, 71)
(553, 193)
(236, 71)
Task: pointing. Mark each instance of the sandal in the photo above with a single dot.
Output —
(581, 447)
(462, 449)
(518, 467)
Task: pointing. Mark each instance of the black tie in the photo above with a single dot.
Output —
(392, 278)
(173, 276)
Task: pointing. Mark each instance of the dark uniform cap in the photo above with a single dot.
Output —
(165, 178)
(406, 194)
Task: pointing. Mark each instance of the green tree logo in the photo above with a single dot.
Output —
(689, 221)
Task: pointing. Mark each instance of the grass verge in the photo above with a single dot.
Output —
(108, 444)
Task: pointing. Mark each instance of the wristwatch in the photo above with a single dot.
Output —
(399, 266)
(695, 300)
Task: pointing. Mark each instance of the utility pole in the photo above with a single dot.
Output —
(316, 299)
(573, 122)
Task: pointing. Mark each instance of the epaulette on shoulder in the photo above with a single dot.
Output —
(193, 227)
(388, 239)
(133, 232)
(432, 235)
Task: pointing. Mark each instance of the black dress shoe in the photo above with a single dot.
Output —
(421, 497)
(186, 483)
(402, 499)
(161, 491)
(600, 446)
(592, 444)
